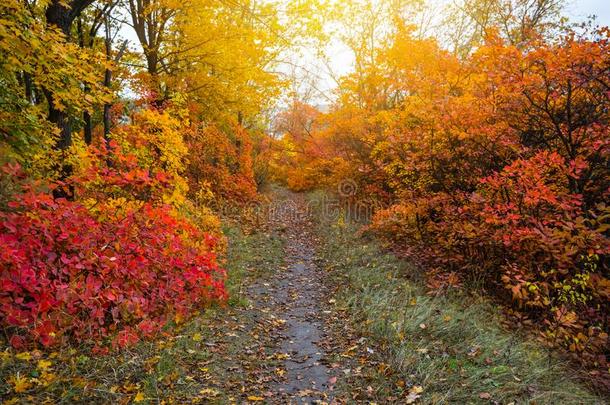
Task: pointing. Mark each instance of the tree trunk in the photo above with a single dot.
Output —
(61, 14)
(88, 129)
(29, 89)
(107, 83)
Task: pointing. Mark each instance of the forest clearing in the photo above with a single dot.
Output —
(304, 201)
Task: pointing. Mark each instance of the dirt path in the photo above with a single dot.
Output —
(294, 296)
(289, 344)
(300, 294)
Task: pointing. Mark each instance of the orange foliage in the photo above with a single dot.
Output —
(220, 164)
(495, 167)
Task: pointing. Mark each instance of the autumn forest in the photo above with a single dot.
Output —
(304, 201)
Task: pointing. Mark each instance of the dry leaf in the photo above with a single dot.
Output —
(25, 356)
(209, 392)
(20, 384)
(411, 398)
(44, 365)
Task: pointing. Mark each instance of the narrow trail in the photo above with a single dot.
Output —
(288, 342)
(301, 295)
(296, 294)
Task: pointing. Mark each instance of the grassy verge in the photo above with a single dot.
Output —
(188, 363)
(250, 257)
(451, 346)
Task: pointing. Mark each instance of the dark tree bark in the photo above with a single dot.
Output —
(86, 39)
(108, 82)
(62, 16)
(149, 23)
(85, 42)
(88, 128)
(29, 88)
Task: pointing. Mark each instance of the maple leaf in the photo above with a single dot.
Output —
(44, 365)
(25, 356)
(20, 384)
(209, 392)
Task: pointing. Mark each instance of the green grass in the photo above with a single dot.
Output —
(452, 345)
(249, 257)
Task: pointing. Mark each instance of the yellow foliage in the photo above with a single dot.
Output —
(25, 356)
(20, 383)
(44, 365)
(155, 138)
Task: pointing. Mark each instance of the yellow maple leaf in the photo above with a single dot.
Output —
(5, 355)
(47, 378)
(20, 384)
(139, 397)
(197, 337)
(25, 356)
(209, 392)
(44, 365)
(179, 319)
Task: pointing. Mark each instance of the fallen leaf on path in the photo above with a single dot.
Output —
(44, 365)
(209, 392)
(19, 383)
(24, 356)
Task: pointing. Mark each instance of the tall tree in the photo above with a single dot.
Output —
(468, 21)
(150, 21)
(88, 26)
(61, 14)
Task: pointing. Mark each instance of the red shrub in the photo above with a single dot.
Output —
(71, 272)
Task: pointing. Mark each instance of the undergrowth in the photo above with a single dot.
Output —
(186, 362)
(452, 345)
